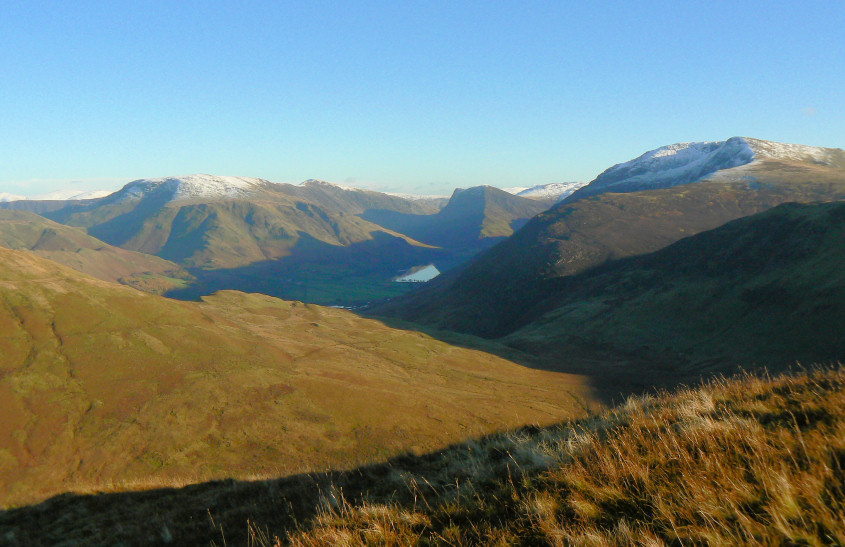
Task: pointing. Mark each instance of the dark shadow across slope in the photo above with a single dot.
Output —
(321, 273)
(527, 486)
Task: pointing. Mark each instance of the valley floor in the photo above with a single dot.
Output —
(752, 460)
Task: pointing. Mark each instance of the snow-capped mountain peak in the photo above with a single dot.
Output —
(199, 186)
(677, 164)
(688, 162)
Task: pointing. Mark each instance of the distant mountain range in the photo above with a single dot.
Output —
(249, 233)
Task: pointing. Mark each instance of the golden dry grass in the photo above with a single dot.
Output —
(751, 462)
(747, 461)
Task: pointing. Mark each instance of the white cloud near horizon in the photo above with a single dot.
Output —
(46, 185)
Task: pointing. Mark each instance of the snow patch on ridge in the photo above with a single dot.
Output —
(554, 190)
(688, 162)
(62, 195)
(188, 187)
(318, 182)
(671, 165)
(784, 151)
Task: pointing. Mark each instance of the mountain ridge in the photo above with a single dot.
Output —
(766, 289)
(554, 190)
(684, 163)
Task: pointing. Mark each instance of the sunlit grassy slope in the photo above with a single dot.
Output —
(749, 461)
(74, 248)
(105, 386)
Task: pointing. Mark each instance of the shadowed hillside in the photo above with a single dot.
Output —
(748, 461)
(572, 238)
(768, 290)
(321, 273)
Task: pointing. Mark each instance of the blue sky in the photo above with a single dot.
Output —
(405, 96)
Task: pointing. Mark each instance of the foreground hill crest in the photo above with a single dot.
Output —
(748, 461)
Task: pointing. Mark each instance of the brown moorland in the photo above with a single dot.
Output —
(105, 387)
(746, 461)
(22, 230)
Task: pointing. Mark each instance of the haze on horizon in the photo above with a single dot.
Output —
(418, 98)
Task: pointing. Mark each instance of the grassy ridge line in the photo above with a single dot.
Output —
(747, 461)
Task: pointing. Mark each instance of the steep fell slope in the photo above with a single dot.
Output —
(101, 384)
(766, 290)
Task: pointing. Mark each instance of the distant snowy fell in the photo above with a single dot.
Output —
(687, 162)
(188, 187)
(554, 190)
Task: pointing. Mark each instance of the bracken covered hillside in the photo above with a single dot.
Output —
(746, 461)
